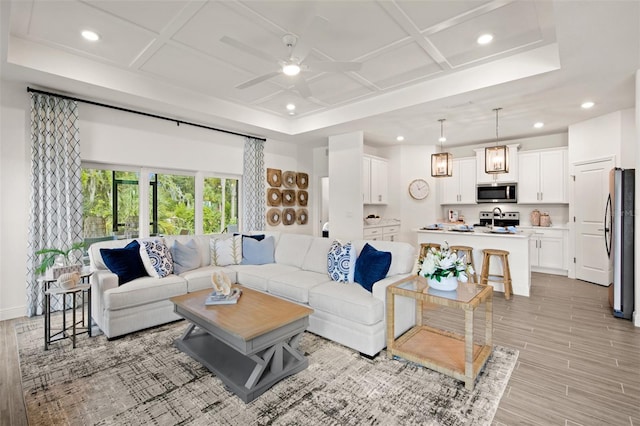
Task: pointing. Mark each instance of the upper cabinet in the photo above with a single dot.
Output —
(512, 176)
(460, 188)
(542, 177)
(375, 183)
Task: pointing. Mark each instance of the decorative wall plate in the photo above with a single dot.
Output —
(288, 216)
(288, 197)
(303, 198)
(274, 197)
(302, 179)
(274, 177)
(302, 216)
(274, 217)
(289, 179)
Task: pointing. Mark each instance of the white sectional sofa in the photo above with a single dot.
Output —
(343, 312)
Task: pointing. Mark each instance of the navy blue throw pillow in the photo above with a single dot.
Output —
(125, 262)
(258, 237)
(371, 266)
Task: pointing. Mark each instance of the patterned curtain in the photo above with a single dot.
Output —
(253, 192)
(56, 189)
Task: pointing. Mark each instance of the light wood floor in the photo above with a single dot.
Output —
(578, 365)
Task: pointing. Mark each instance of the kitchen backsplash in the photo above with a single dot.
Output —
(559, 213)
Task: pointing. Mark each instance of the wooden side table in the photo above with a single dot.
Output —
(76, 326)
(440, 350)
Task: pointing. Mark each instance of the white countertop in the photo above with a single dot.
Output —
(558, 227)
(383, 222)
(479, 232)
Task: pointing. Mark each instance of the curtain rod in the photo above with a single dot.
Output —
(146, 114)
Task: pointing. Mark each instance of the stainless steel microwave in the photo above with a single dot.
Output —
(498, 193)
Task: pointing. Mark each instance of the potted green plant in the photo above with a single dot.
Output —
(50, 255)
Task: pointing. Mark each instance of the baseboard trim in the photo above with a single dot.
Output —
(11, 313)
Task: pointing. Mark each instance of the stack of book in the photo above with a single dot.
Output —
(221, 299)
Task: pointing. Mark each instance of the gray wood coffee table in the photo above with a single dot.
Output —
(251, 345)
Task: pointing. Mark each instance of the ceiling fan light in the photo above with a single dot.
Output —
(291, 69)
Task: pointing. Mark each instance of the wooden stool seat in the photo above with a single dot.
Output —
(506, 272)
(424, 248)
(468, 255)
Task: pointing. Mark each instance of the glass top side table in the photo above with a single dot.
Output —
(440, 350)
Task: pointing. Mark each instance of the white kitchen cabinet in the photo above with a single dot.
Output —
(460, 187)
(382, 232)
(547, 251)
(542, 177)
(512, 176)
(375, 180)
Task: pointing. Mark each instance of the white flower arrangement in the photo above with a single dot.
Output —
(443, 263)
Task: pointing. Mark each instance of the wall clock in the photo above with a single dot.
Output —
(419, 189)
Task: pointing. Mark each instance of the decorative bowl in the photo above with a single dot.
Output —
(372, 220)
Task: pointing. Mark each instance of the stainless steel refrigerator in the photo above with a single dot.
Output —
(619, 239)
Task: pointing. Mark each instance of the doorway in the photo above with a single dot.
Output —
(591, 189)
(324, 206)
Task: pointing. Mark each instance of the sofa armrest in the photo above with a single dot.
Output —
(405, 307)
(101, 281)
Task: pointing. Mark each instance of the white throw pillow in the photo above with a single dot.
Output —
(156, 258)
(341, 261)
(226, 250)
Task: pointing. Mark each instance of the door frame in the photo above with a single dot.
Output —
(572, 203)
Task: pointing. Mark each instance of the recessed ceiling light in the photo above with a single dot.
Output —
(400, 138)
(90, 35)
(291, 69)
(485, 39)
(539, 125)
(587, 105)
(292, 113)
(291, 107)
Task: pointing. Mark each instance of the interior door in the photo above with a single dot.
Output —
(591, 190)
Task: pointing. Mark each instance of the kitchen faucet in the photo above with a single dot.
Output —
(493, 215)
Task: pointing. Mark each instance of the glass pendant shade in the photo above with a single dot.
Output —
(496, 159)
(441, 164)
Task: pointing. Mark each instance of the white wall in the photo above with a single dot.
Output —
(345, 186)
(111, 137)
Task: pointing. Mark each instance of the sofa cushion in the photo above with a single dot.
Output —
(202, 241)
(295, 285)
(199, 279)
(256, 276)
(316, 258)
(124, 262)
(292, 249)
(403, 255)
(226, 250)
(186, 257)
(341, 261)
(144, 290)
(257, 251)
(156, 258)
(372, 265)
(347, 300)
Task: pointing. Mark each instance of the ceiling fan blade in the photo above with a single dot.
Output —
(335, 66)
(309, 37)
(302, 87)
(248, 49)
(257, 80)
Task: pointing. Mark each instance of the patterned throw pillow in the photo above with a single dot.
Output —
(156, 258)
(226, 250)
(341, 260)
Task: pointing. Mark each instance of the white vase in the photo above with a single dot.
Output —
(445, 284)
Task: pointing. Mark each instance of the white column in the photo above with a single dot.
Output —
(144, 217)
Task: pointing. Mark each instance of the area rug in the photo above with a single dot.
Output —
(143, 378)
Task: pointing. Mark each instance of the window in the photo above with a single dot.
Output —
(174, 204)
(220, 205)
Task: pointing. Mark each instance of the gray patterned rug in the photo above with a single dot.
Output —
(143, 379)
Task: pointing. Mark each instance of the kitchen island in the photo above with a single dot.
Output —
(516, 244)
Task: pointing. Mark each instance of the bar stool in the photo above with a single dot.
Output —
(506, 277)
(468, 255)
(424, 248)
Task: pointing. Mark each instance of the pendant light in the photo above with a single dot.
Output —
(442, 163)
(496, 158)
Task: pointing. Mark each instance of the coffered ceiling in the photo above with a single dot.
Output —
(419, 62)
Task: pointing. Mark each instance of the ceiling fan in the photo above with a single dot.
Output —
(295, 63)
